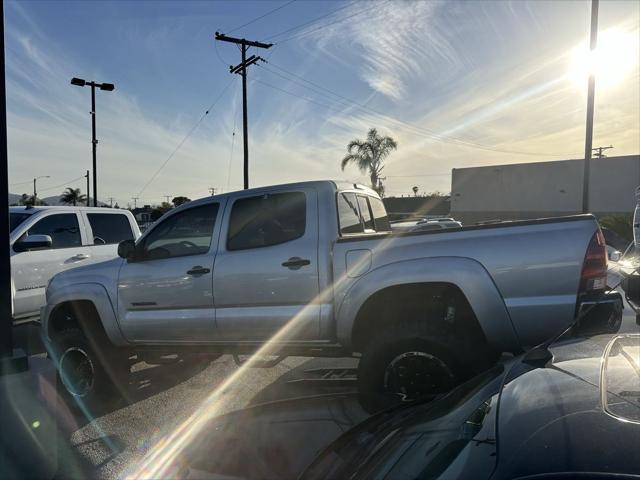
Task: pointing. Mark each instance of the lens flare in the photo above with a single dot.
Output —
(613, 60)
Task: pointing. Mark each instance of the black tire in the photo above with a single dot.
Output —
(419, 358)
(89, 377)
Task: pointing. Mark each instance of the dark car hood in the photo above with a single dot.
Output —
(579, 414)
(518, 419)
(274, 440)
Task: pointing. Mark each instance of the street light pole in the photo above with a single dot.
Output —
(35, 192)
(94, 143)
(88, 196)
(588, 143)
(79, 82)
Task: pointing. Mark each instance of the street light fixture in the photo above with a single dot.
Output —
(35, 192)
(107, 87)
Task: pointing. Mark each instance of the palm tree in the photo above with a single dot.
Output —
(72, 196)
(369, 156)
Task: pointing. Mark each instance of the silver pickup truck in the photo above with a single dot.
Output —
(313, 269)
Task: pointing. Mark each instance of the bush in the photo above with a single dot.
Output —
(621, 223)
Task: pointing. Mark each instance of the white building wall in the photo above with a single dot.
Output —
(532, 190)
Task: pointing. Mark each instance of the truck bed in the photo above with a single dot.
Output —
(535, 264)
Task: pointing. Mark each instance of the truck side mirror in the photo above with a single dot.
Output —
(31, 242)
(127, 249)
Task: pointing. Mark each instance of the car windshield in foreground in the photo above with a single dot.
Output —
(15, 219)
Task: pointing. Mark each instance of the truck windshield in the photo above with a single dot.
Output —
(16, 219)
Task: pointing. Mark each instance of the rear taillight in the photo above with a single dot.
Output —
(594, 268)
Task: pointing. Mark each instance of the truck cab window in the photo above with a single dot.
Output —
(62, 228)
(365, 212)
(266, 220)
(109, 228)
(186, 233)
(380, 217)
(348, 214)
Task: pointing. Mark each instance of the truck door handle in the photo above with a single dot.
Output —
(294, 263)
(80, 256)
(198, 270)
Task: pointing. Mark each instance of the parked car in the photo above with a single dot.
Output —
(315, 265)
(566, 411)
(48, 240)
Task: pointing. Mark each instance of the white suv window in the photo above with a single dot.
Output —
(109, 228)
(61, 227)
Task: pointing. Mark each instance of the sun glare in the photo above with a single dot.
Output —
(614, 58)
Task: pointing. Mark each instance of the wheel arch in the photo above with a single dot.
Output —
(358, 314)
(91, 304)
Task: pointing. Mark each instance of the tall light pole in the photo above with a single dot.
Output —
(588, 143)
(35, 191)
(108, 87)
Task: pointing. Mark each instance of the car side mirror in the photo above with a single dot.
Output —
(31, 242)
(127, 249)
(615, 256)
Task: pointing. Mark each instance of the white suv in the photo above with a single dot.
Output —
(47, 240)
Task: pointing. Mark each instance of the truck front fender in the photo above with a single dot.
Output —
(467, 274)
(91, 292)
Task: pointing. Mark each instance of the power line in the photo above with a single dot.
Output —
(261, 16)
(414, 128)
(193, 129)
(233, 139)
(293, 94)
(20, 183)
(62, 184)
(311, 22)
(339, 20)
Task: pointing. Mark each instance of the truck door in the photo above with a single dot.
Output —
(266, 271)
(165, 295)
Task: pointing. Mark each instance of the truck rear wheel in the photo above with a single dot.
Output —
(89, 378)
(415, 359)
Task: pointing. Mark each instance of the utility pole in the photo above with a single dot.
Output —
(241, 69)
(600, 150)
(168, 197)
(213, 190)
(135, 202)
(588, 143)
(110, 202)
(88, 196)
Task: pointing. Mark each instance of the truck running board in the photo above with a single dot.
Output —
(332, 376)
(260, 363)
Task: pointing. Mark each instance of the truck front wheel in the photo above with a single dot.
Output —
(89, 377)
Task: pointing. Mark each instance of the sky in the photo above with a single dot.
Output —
(456, 83)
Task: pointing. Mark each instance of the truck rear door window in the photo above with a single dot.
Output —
(380, 217)
(109, 228)
(266, 220)
(365, 212)
(348, 214)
